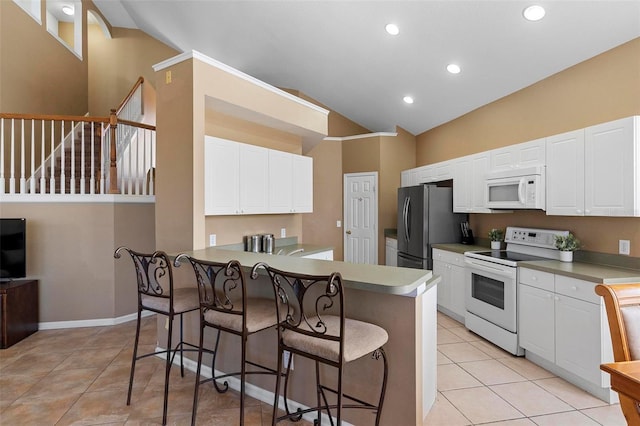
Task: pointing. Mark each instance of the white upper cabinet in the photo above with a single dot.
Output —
(525, 154)
(221, 176)
(254, 173)
(594, 171)
(565, 174)
(468, 183)
(248, 179)
(302, 178)
(612, 159)
(280, 182)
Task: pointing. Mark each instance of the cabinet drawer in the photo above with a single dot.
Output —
(538, 279)
(448, 257)
(579, 289)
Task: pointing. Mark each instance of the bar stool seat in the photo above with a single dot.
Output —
(260, 315)
(184, 299)
(360, 339)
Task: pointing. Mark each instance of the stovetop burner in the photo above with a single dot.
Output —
(508, 255)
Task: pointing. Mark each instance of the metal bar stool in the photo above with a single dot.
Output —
(314, 326)
(224, 306)
(156, 293)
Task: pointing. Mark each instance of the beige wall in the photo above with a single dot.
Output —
(600, 89)
(115, 64)
(70, 250)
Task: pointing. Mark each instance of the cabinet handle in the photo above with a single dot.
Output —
(574, 288)
(556, 298)
(587, 211)
(578, 211)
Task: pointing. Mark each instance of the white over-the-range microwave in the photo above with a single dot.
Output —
(518, 188)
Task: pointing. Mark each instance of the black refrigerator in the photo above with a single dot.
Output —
(425, 217)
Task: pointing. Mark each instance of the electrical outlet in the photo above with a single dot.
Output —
(167, 77)
(283, 233)
(285, 359)
(212, 240)
(624, 247)
(338, 224)
(166, 323)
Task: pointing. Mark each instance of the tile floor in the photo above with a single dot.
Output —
(80, 376)
(479, 383)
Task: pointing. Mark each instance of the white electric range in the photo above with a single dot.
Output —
(491, 282)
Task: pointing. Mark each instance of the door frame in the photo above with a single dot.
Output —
(346, 205)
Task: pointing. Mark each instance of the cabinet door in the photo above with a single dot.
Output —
(425, 174)
(479, 168)
(578, 337)
(405, 178)
(457, 283)
(444, 288)
(537, 321)
(254, 191)
(280, 182)
(302, 184)
(462, 185)
(612, 186)
(531, 153)
(565, 174)
(221, 176)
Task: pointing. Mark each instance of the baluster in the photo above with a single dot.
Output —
(32, 179)
(82, 165)
(104, 151)
(113, 170)
(52, 176)
(129, 165)
(92, 179)
(43, 168)
(12, 171)
(137, 161)
(144, 161)
(152, 180)
(23, 181)
(72, 180)
(2, 180)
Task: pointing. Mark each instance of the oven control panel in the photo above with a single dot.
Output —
(533, 237)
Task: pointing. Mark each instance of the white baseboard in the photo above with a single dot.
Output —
(251, 390)
(91, 323)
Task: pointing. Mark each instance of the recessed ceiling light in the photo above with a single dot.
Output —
(453, 68)
(533, 13)
(408, 99)
(392, 29)
(67, 10)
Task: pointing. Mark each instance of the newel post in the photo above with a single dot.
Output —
(113, 171)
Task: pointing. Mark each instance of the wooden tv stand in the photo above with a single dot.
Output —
(18, 310)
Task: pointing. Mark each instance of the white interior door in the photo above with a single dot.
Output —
(361, 218)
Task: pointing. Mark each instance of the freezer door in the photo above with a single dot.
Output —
(408, 261)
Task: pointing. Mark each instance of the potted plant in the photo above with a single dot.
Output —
(567, 244)
(496, 235)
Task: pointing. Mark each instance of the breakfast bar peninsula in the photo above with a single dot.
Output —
(401, 300)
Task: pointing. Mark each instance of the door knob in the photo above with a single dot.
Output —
(348, 232)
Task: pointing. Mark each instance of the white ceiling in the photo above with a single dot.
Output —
(339, 53)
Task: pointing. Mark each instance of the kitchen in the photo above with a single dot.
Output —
(551, 104)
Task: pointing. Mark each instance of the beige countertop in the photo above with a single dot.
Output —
(376, 278)
(579, 270)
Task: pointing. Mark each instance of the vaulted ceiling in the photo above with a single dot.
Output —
(339, 53)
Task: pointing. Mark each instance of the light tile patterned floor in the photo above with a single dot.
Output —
(479, 383)
(80, 376)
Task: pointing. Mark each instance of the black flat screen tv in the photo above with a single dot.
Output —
(13, 248)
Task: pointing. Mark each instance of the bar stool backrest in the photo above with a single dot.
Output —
(221, 286)
(153, 273)
(312, 305)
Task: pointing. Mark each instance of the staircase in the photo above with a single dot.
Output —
(80, 143)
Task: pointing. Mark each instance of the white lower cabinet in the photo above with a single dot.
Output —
(450, 266)
(323, 255)
(563, 321)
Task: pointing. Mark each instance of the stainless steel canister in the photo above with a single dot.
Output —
(267, 243)
(256, 243)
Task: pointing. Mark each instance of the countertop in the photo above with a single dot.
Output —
(579, 270)
(376, 278)
(292, 250)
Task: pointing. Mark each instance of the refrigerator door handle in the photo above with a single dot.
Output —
(405, 217)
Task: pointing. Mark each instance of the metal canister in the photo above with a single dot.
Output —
(267, 243)
(256, 243)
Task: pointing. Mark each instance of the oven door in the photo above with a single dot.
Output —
(490, 292)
